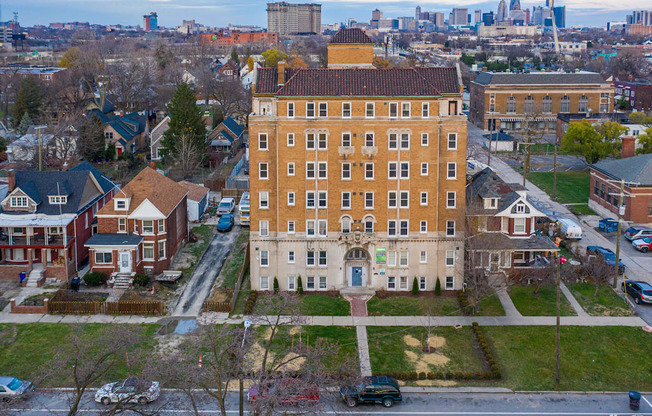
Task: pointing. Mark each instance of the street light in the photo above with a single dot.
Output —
(247, 324)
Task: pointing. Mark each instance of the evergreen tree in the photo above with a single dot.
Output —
(234, 55)
(186, 118)
(275, 285)
(299, 286)
(25, 123)
(415, 287)
(437, 288)
(28, 101)
(91, 144)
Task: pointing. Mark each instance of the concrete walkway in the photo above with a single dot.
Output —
(574, 303)
(363, 350)
(508, 305)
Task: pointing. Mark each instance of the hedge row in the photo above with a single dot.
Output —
(464, 302)
(488, 356)
(251, 302)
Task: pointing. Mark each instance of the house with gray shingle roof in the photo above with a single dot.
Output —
(227, 137)
(128, 132)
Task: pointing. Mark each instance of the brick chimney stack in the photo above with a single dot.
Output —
(281, 72)
(152, 164)
(11, 179)
(628, 148)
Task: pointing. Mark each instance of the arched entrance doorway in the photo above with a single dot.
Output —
(357, 267)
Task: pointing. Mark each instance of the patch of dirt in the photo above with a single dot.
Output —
(8, 335)
(268, 334)
(435, 359)
(295, 364)
(445, 383)
(295, 330)
(421, 367)
(169, 344)
(220, 296)
(254, 358)
(436, 342)
(412, 356)
(411, 341)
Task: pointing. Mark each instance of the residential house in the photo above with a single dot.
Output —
(502, 221)
(198, 196)
(142, 227)
(46, 219)
(227, 137)
(500, 142)
(156, 138)
(637, 94)
(229, 69)
(127, 132)
(25, 148)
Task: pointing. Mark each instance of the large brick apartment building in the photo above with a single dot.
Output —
(508, 101)
(357, 175)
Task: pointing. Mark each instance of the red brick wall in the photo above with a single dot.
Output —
(636, 208)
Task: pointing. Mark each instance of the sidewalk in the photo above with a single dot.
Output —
(574, 303)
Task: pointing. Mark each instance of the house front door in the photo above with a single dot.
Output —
(125, 262)
(356, 276)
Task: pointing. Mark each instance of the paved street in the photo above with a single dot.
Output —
(442, 402)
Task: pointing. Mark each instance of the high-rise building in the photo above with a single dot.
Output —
(292, 19)
(501, 14)
(417, 13)
(515, 5)
(488, 19)
(459, 17)
(150, 22)
(640, 17)
(357, 175)
(560, 16)
(478, 16)
(550, 4)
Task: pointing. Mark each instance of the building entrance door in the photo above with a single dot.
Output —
(125, 262)
(356, 276)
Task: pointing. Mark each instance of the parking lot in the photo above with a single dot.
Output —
(625, 245)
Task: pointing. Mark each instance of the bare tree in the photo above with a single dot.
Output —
(189, 156)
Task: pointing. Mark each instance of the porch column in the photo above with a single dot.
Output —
(10, 233)
(65, 236)
(30, 258)
(65, 263)
(28, 234)
(46, 234)
(44, 257)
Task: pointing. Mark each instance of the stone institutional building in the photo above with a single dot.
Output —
(293, 19)
(357, 174)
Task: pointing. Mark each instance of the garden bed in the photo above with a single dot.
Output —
(36, 300)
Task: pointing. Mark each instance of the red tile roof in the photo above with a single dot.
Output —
(354, 36)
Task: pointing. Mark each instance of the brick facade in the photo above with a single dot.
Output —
(604, 199)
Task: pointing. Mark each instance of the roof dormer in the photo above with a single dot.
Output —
(490, 203)
(121, 204)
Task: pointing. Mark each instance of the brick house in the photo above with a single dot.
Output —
(502, 223)
(142, 227)
(46, 219)
(637, 94)
(605, 186)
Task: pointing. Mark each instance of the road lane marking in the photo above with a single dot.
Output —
(330, 412)
(648, 403)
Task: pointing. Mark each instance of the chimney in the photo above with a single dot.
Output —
(281, 72)
(628, 148)
(152, 164)
(11, 179)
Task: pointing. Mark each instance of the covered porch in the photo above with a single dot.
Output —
(496, 252)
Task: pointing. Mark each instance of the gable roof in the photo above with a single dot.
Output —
(164, 193)
(105, 183)
(635, 170)
(350, 36)
(539, 78)
(267, 79)
(160, 129)
(196, 192)
(127, 126)
(233, 126)
(487, 184)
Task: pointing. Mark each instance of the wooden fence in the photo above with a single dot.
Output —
(214, 306)
(112, 308)
(238, 283)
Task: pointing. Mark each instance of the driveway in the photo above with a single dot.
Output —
(202, 279)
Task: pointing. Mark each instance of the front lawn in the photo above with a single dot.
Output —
(321, 305)
(592, 358)
(542, 304)
(490, 306)
(413, 306)
(608, 303)
(571, 186)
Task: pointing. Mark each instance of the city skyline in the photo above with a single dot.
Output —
(219, 14)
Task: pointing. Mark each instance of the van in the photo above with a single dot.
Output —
(570, 228)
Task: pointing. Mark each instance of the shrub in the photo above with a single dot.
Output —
(422, 376)
(299, 286)
(415, 287)
(141, 280)
(275, 285)
(438, 288)
(251, 302)
(94, 278)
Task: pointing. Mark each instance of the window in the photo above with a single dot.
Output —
(405, 110)
(262, 141)
(528, 106)
(103, 258)
(310, 170)
(391, 258)
(18, 201)
(520, 208)
(58, 200)
(393, 110)
(511, 105)
(519, 225)
(291, 199)
(450, 283)
(310, 199)
(391, 283)
(346, 225)
(403, 283)
(547, 104)
(322, 228)
(405, 141)
(346, 139)
(291, 169)
(369, 110)
(450, 258)
(346, 200)
(423, 256)
(135, 226)
(346, 171)
(264, 258)
(263, 200)
(290, 139)
(108, 135)
(148, 251)
(602, 187)
(405, 199)
(368, 225)
(310, 141)
(392, 201)
(161, 226)
(264, 283)
(425, 110)
(450, 228)
(391, 228)
(323, 141)
(148, 227)
(310, 282)
(424, 169)
(583, 105)
(405, 170)
(423, 226)
(450, 199)
(290, 110)
(322, 283)
(122, 225)
(451, 171)
(322, 201)
(310, 228)
(393, 141)
(565, 104)
(290, 227)
(323, 109)
(422, 283)
(452, 141)
(368, 170)
(322, 171)
(369, 200)
(322, 258)
(604, 107)
(310, 110)
(403, 259)
(424, 139)
(609, 195)
(369, 139)
(161, 250)
(291, 283)
(404, 229)
(262, 171)
(424, 199)
(392, 170)
(346, 110)
(596, 188)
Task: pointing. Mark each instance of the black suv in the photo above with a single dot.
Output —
(640, 291)
(376, 389)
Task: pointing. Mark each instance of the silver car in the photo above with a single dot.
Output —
(12, 387)
(132, 390)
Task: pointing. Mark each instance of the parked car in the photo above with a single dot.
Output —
(608, 256)
(290, 392)
(375, 389)
(133, 390)
(643, 244)
(225, 223)
(226, 206)
(608, 225)
(12, 388)
(636, 232)
(640, 291)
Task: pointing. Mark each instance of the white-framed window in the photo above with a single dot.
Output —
(346, 200)
(264, 258)
(262, 141)
(450, 228)
(322, 142)
(346, 171)
(424, 169)
(452, 141)
(148, 251)
(310, 228)
(519, 225)
(120, 204)
(392, 200)
(263, 200)
(369, 139)
(291, 199)
(450, 258)
(290, 110)
(392, 141)
(346, 139)
(310, 141)
(323, 109)
(391, 258)
(423, 200)
(451, 199)
(425, 110)
(451, 171)
(520, 208)
(322, 170)
(392, 170)
(403, 259)
(290, 139)
(404, 228)
(393, 110)
(161, 226)
(368, 170)
(404, 199)
(391, 283)
(18, 201)
(368, 225)
(58, 200)
(264, 283)
(148, 227)
(291, 227)
(263, 173)
(323, 259)
(310, 110)
(346, 110)
(310, 170)
(122, 225)
(346, 224)
(161, 250)
(424, 139)
(405, 170)
(450, 283)
(405, 110)
(291, 283)
(322, 199)
(423, 226)
(405, 141)
(369, 200)
(422, 283)
(370, 110)
(403, 283)
(291, 169)
(310, 199)
(423, 256)
(391, 228)
(103, 257)
(310, 282)
(322, 228)
(322, 283)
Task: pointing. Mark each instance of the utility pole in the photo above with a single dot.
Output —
(491, 130)
(554, 175)
(558, 335)
(40, 157)
(621, 211)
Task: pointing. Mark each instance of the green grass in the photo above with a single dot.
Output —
(320, 305)
(581, 209)
(491, 306)
(541, 149)
(544, 304)
(233, 263)
(204, 235)
(571, 186)
(27, 356)
(592, 358)
(387, 349)
(413, 306)
(608, 303)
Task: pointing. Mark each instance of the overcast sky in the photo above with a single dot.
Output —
(245, 12)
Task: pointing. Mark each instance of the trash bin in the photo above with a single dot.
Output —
(23, 276)
(75, 283)
(634, 400)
